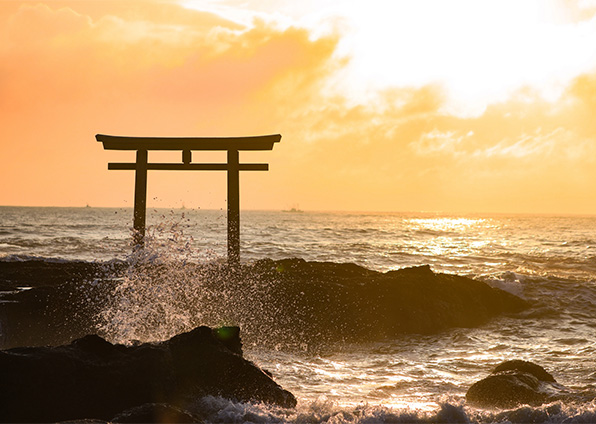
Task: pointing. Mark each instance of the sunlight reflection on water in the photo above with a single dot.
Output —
(445, 223)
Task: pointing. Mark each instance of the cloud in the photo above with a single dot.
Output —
(67, 75)
(523, 154)
(71, 70)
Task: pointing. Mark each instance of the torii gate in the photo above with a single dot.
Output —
(187, 144)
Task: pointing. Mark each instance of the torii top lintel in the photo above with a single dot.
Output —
(260, 142)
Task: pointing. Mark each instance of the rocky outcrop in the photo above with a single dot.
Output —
(329, 301)
(515, 383)
(94, 379)
(288, 302)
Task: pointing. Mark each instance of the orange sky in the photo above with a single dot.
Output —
(458, 106)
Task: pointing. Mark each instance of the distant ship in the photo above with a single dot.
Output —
(293, 209)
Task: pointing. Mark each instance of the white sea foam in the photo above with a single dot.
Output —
(24, 258)
(509, 281)
(218, 410)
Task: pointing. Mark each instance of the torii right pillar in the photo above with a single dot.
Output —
(234, 207)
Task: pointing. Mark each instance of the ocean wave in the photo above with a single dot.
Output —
(219, 410)
(10, 246)
(545, 246)
(25, 258)
(566, 264)
(548, 291)
(509, 281)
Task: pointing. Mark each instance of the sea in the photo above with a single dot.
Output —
(548, 260)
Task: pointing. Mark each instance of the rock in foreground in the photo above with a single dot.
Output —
(92, 378)
(515, 383)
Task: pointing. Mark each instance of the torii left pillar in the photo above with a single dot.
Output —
(140, 208)
(233, 146)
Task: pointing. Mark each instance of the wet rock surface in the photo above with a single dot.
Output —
(352, 303)
(155, 413)
(514, 383)
(94, 379)
(288, 302)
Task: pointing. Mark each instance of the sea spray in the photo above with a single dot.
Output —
(159, 293)
(291, 303)
(168, 286)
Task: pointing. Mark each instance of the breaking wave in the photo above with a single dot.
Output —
(322, 410)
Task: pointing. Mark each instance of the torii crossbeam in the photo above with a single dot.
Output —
(186, 145)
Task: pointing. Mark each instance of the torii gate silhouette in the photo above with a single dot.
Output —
(232, 145)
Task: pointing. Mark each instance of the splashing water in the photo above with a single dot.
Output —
(169, 287)
(161, 290)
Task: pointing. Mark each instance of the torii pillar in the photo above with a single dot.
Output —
(233, 146)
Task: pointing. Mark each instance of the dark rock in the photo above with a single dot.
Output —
(230, 337)
(319, 302)
(526, 367)
(515, 383)
(61, 304)
(155, 413)
(92, 378)
(287, 302)
(44, 272)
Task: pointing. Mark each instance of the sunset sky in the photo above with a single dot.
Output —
(383, 105)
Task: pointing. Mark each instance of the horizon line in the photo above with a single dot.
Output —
(437, 212)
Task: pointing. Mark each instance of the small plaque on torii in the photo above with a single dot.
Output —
(186, 145)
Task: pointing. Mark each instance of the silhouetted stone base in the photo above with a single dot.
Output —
(94, 379)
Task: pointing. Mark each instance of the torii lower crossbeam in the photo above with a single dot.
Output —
(186, 145)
